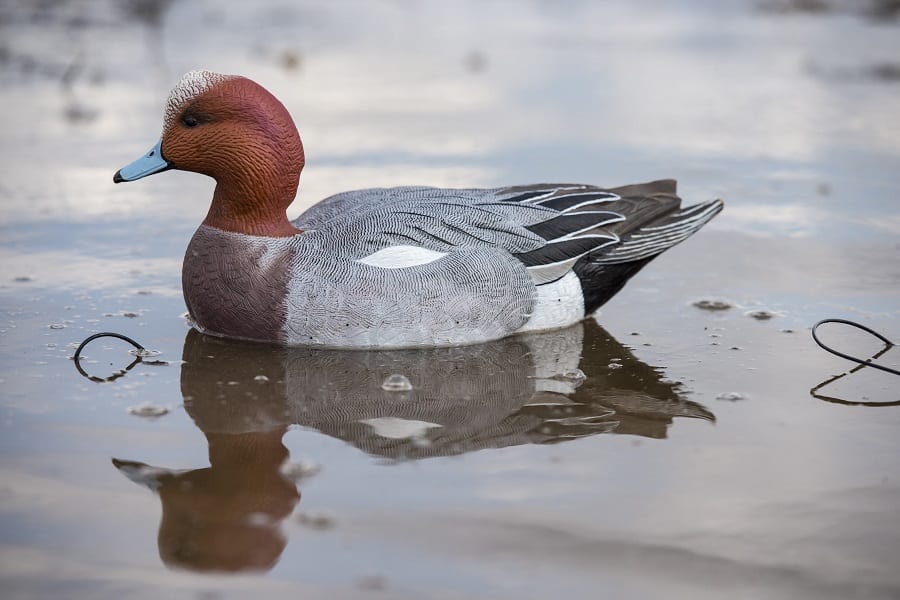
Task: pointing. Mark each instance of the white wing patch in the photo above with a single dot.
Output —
(395, 428)
(558, 304)
(399, 257)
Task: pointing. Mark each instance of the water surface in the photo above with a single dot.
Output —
(690, 461)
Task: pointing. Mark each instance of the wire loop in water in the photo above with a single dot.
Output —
(77, 356)
(888, 344)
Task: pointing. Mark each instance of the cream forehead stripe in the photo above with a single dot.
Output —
(192, 84)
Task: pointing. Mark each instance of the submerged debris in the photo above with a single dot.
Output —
(712, 305)
(475, 61)
(796, 6)
(148, 410)
(125, 313)
(372, 582)
(76, 113)
(320, 521)
(290, 60)
(396, 383)
(885, 72)
(296, 471)
(876, 10)
(760, 315)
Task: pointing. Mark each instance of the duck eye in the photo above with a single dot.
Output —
(190, 121)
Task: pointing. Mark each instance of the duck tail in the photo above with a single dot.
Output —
(605, 272)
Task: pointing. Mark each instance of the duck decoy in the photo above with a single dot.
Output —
(389, 267)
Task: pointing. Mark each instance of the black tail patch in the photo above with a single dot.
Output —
(601, 282)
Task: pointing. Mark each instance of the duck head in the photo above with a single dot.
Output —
(233, 130)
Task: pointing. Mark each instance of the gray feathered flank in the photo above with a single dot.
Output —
(474, 291)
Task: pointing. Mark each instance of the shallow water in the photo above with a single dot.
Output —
(690, 461)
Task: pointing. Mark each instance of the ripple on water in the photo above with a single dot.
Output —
(144, 352)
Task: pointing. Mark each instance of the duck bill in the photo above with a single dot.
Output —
(150, 163)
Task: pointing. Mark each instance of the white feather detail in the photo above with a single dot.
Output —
(558, 304)
(575, 207)
(543, 274)
(395, 428)
(191, 85)
(399, 257)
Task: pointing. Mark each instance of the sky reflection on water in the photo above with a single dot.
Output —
(777, 495)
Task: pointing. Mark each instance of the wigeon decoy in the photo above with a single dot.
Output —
(389, 267)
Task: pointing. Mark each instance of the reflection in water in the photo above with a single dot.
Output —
(513, 391)
(227, 516)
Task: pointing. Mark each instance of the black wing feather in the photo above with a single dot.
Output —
(556, 252)
(572, 223)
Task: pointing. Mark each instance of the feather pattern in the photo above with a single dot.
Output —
(648, 241)
(417, 266)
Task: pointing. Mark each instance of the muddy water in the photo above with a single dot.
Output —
(661, 450)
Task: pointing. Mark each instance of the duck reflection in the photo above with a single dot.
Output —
(227, 516)
(537, 389)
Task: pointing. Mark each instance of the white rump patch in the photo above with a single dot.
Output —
(558, 304)
(395, 428)
(398, 257)
(556, 358)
